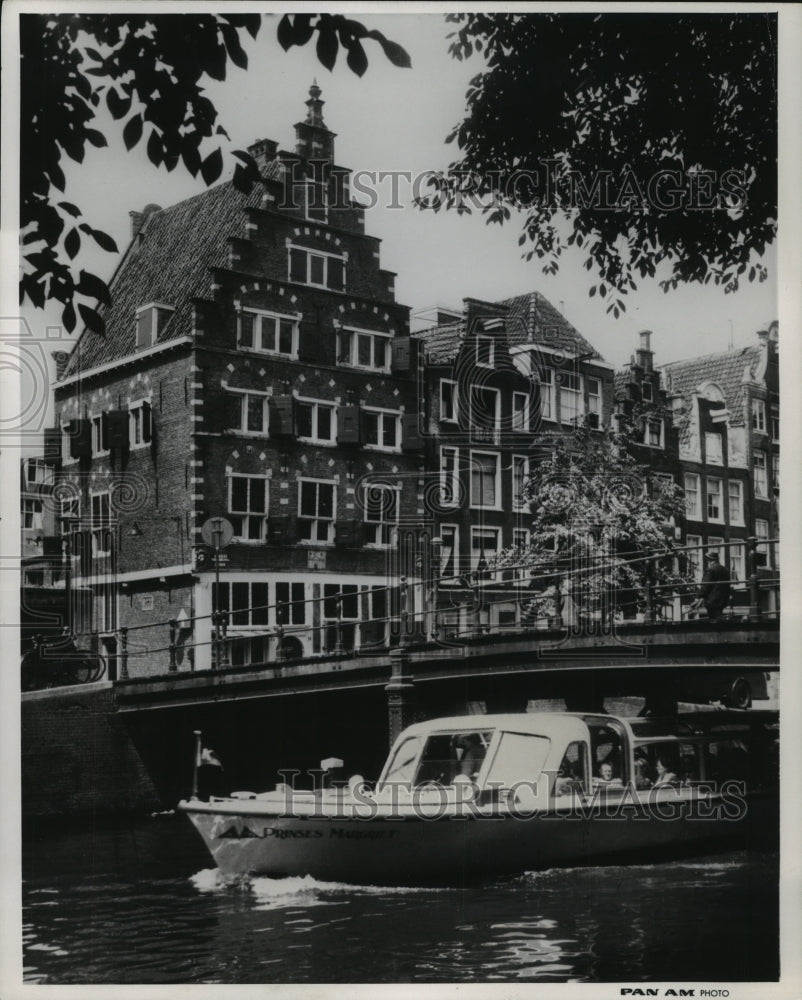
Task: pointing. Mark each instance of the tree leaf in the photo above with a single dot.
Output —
(68, 317)
(132, 132)
(327, 45)
(154, 148)
(103, 240)
(95, 137)
(92, 320)
(69, 207)
(212, 167)
(356, 59)
(91, 286)
(72, 243)
(118, 106)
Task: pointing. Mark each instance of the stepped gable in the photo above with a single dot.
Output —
(168, 261)
(532, 319)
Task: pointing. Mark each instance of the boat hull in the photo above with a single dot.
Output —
(451, 849)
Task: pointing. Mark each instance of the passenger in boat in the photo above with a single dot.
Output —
(715, 588)
(642, 770)
(471, 756)
(607, 775)
(665, 776)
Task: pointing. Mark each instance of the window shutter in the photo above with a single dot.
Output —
(80, 433)
(348, 426)
(281, 530)
(52, 450)
(401, 354)
(144, 328)
(116, 429)
(232, 417)
(147, 422)
(411, 439)
(336, 274)
(297, 265)
(349, 534)
(281, 424)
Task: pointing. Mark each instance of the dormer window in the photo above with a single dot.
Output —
(484, 351)
(150, 322)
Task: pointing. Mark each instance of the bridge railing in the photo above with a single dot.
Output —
(447, 607)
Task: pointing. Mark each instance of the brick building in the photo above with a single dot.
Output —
(255, 367)
(726, 407)
(499, 384)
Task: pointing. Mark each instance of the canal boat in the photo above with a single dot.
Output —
(476, 796)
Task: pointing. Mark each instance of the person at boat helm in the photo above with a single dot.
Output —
(665, 776)
(714, 591)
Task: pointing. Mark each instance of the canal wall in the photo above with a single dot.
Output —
(77, 757)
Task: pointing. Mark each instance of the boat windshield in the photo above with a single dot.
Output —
(449, 755)
(402, 766)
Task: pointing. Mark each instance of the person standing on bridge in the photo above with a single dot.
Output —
(714, 591)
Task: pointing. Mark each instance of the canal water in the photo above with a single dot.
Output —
(139, 903)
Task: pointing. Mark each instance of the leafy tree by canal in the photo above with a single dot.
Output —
(639, 138)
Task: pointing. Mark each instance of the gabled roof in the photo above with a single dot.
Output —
(726, 369)
(168, 262)
(530, 319)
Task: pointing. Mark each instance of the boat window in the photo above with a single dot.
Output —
(520, 757)
(402, 767)
(572, 775)
(447, 755)
(606, 748)
(656, 763)
(727, 760)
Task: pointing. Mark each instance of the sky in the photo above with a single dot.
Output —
(396, 119)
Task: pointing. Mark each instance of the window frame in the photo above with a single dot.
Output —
(316, 520)
(717, 458)
(577, 394)
(546, 379)
(325, 255)
(354, 333)
(694, 555)
(696, 514)
(483, 341)
(258, 333)
(709, 494)
(244, 395)
(519, 504)
(478, 429)
(156, 326)
(594, 396)
(384, 533)
(476, 470)
(382, 414)
(759, 425)
(139, 405)
(99, 433)
(316, 404)
(454, 557)
(248, 515)
(449, 497)
(34, 513)
(100, 529)
(737, 521)
(475, 531)
(454, 385)
(760, 474)
(525, 424)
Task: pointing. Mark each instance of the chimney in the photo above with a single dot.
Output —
(645, 354)
(60, 359)
(138, 219)
(264, 152)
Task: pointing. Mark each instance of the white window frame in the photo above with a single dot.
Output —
(138, 406)
(454, 558)
(489, 343)
(32, 508)
(38, 472)
(449, 477)
(383, 416)
(762, 535)
(97, 422)
(594, 398)
(479, 430)
(317, 521)
(157, 310)
(649, 422)
(775, 423)
(292, 604)
(325, 256)
(323, 188)
(475, 469)
(695, 489)
(713, 456)
(316, 405)
(453, 385)
(263, 318)
(738, 520)
(715, 544)
(518, 503)
(549, 396)
(262, 612)
(382, 529)
(694, 555)
(710, 493)
(354, 333)
(66, 457)
(521, 414)
(478, 551)
(759, 416)
(574, 393)
(775, 469)
(248, 516)
(99, 529)
(245, 395)
(69, 510)
(737, 561)
(760, 474)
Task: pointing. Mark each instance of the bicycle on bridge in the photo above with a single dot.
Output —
(57, 662)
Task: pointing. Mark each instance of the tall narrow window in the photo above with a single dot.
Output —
(484, 479)
(714, 509)
(290, 604)
(714, 453)
(594, 396)
(736, 502)
(485, 544)
(449, 477)
(694, 556)
(316, 505)
(101, 525)
(381, 513)
(758, 416)
(520, 474)
(759, 474)
(547, 403)
(448, 400)
(247, 505)
(520, 411)
(571, 402)
(693, 508)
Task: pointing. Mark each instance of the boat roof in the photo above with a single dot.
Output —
(642, 727)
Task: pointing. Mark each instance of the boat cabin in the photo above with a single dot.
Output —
(579, 753)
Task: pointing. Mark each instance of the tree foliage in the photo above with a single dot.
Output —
(596, 512)
(148, 71)
(576, 119)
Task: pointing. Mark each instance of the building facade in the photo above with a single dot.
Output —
(256, 367)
